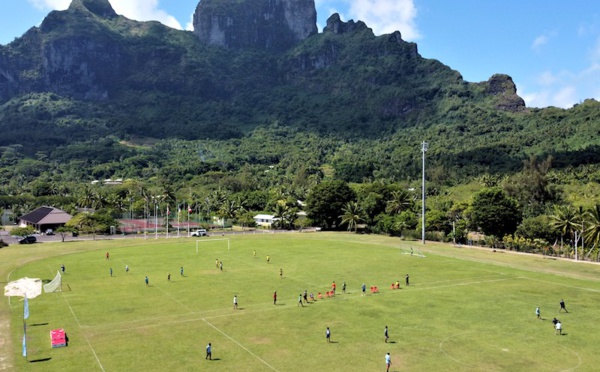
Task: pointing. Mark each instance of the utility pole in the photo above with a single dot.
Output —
(424, 147)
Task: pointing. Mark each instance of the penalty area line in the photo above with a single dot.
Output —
(240, 345)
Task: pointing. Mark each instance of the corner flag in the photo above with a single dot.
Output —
(24, 346)
(26, 309)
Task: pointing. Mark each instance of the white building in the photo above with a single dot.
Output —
(265, 220)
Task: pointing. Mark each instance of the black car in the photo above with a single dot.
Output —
(28, 240)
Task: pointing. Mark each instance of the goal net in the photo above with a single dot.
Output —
(55, 285)
(412, 252)
(205, 241)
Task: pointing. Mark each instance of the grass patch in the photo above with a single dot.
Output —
(466, 308)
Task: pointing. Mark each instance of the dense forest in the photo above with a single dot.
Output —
(332, 125)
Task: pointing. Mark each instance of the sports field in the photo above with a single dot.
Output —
(466, 309)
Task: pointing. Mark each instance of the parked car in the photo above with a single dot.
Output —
(199, 232)
(28, 240)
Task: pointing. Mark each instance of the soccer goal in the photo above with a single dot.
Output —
(204, 241)
(413, 252)
(55, 285)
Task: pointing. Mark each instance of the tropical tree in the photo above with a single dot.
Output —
(326, 202)
(352, 216)
(400, 201)
(494, 212)
(565, 221)
(592, 232)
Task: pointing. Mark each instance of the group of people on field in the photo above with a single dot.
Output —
(555, 322)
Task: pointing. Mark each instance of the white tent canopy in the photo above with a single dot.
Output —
(24, 287)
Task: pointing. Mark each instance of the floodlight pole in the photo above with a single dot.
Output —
(424, 147)
(155, 218)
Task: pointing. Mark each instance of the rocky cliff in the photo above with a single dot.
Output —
(274, 25)
(62, 57)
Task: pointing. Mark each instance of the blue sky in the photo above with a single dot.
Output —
(551, 48)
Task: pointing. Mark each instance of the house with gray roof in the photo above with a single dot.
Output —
(45, 218)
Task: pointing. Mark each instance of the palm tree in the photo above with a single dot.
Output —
(564, 220)
(353, 215)
(280, 214)
(401, 200)
(592, 233)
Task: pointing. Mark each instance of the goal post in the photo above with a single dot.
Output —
(198, 242)
(55, 285)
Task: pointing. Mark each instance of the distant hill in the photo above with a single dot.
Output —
(87, 74)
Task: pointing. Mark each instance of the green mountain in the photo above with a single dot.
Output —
(86, 78)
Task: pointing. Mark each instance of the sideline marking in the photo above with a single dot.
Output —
(84, 335)
(240, 345)
(564, 285)
(94, 352)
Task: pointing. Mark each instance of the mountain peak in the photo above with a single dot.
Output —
(101, 8)
(255, 24)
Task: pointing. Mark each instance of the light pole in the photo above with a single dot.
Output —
(424, 147)
(155, 217)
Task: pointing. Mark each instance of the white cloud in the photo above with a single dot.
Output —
(539, 42)
(139, 10)
(190, 25)
(547, 78)
(50, 4)
(387, 16)
(144, 10)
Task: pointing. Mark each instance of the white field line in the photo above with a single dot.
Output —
(86, 339)
(94, 352)
(174, 299)
(267, 306)
(563, 285)
(240, 345)
(70, 308)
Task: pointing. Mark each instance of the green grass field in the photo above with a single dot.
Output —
(465, 310)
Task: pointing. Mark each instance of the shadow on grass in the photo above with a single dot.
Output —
(40, 360)
(38, 324)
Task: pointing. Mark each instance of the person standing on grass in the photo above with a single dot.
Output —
(538, 313)
(168, 277)
(333, 287)
(305, 296)
(558, 328)
(312, 297)
(254, 254)
(147, 281)
(208, 351)
(275, 298)
(300, 301)
(181, 271)
(107, 255)
(280, 273)
(388, 362)
(406, 280)
(126, 269)
(364, 289)
(110, 270)
(62, 268)
(217, 263)
(268, 259)
(562, 306)
(328, 334)
(385, 334)
(235, 302)
(221, 265)
(344, 287)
